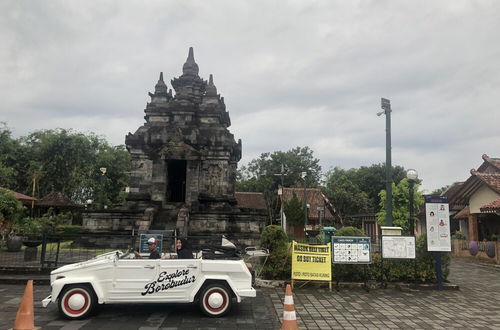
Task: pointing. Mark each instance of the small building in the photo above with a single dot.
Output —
(59, 203)
(319, 208)
(474, 204)
(25, 199)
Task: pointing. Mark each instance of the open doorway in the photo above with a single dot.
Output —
(176, 184)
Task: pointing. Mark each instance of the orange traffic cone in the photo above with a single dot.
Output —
(25, 314)
(289, 317)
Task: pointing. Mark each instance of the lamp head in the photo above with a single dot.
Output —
(412, 175)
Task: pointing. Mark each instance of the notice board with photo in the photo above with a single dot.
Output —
(437, 216)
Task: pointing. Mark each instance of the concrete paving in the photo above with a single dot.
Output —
(475, 305)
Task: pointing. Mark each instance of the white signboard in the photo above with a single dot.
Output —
(438, 223)
(398, 247)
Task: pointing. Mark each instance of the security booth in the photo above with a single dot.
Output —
(327, 233)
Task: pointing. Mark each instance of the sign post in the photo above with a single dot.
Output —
(352, 250)
(437, 216)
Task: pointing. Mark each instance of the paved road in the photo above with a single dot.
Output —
(475, 305)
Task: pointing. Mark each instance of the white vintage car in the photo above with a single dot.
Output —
(116, 278)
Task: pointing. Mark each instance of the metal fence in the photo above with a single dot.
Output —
(52, 251)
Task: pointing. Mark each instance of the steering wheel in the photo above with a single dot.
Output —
(124, 256)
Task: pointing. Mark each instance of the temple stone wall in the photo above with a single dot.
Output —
(113, 221)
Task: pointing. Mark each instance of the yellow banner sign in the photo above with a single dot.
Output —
(311, 262)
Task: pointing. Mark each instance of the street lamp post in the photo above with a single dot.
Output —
(412, 177)
(103, 171)
(303, 176)
(282, 175)
(386, 106)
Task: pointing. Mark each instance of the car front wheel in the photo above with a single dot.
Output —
(215, 300)
(77, 301)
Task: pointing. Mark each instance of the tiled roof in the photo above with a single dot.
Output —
(251, 200)
(20, 196)
(56, 198)
(489, 161)
(453, 189)
(492, 180)
(314, 199)
(464, 213)
(491, 207)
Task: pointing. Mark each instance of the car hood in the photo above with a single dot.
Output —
(100, 259)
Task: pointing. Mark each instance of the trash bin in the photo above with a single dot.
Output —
(327, 233)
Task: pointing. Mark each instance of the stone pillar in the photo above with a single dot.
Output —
(472, 226)
(183, 221)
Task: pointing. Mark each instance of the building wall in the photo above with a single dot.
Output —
(482, 196)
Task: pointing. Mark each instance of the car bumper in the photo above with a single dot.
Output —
(47, 301)
(247, 293)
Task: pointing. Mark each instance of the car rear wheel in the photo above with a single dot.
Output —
(77, 301)
(215, 300)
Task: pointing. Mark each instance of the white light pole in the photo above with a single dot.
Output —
(303, 176)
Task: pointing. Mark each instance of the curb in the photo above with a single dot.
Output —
(22, 279)
(357, 285)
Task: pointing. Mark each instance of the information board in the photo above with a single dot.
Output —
(311, 262)
(437, 216)
(398, 247)
(143, 247)
(351, 250)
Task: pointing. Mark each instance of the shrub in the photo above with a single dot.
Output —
(278, 264)
(69, 230)
(349, 231)
(458, 235)
(10, 210)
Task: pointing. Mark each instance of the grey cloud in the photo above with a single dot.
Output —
(293, 73)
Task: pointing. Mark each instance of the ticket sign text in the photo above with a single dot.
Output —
(351, 250)
(311, 262)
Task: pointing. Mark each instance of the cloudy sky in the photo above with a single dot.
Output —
(298, 73)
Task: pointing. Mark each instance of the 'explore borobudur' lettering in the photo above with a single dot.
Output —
(167, 281)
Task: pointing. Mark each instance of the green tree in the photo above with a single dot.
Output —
(294, 211)
(11, 210)
(371, 180)
(260, 173)
(8, 147)
(400, 204)
(69, 162)
(344, 194)
(441, 190)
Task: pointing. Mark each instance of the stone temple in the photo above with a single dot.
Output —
(184, 162)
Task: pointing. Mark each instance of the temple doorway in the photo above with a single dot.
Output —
(176, 187)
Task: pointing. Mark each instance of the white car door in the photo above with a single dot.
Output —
(176, 280)
(131, 278)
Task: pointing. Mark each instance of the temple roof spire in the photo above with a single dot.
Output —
(190, 68)
(211, 90)
(161, 87)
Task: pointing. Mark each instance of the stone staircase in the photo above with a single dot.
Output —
(166, 218)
